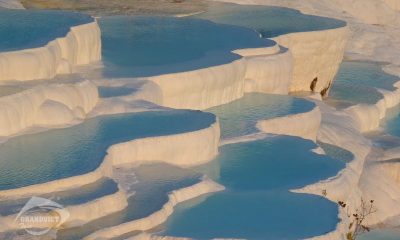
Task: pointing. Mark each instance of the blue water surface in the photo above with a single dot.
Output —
(385, 234)
(239, 117)
(357, 82)
(257, 203)
(61, 153)
(20, 29)
(107, 92)
(140, 46)
(268, 21)
(154, 183)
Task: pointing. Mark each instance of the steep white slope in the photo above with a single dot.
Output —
(49, 106)
(82, 45)
(269, 73)
(316, 57)
(203, 88)
(186, 149)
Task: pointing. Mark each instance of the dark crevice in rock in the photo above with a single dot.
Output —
(313, 84)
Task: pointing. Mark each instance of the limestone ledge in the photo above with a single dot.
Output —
(49, 106)
(79, 214)
(82, 45)
(305, 125)
(185, 149)
(204, 187)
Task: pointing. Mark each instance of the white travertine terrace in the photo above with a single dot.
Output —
(308, 56)
(79, 214)
(366, 176)
(305, 125)
(65, 184)
(316, 55)
(269, 73)
(304, 58)
(81, 45)
(264, 70)
(52, 105)
(368, 117)
(203, 88)
(157, 218)
(186, 149)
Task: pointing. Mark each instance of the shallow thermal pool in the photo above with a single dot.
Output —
(258, 175)
(357, 82)
(239, 117)
(42, 157)
(150, 186)
(35, 28)
(139, 46)
(257, 203)
(268, 21)
(381, 235)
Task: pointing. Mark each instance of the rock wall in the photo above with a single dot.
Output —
(316, 56)
(82, 45)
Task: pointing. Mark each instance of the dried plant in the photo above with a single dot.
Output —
(357, 218)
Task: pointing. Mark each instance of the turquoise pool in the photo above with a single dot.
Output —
(35, 28)
(268, 21)
(391, 234)
(239, 117)
(138, 46)
(108, 92)
(392, 124)
(357, 82)
(336, 152)
(154, 182)
(257, 203)
(61, 153)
